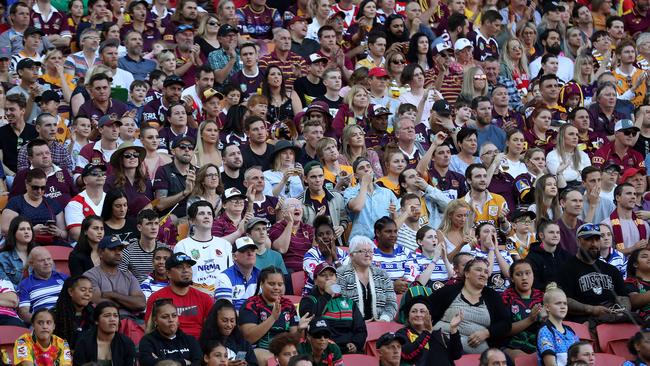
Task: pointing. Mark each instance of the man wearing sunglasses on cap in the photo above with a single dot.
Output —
(174, 181)
(620, 151)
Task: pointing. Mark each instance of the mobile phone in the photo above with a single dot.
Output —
(241, 356)
(50, 223)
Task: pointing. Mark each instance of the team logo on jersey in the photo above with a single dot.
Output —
(493, 210)
(195, 254)
(514, 308)
(263, 316)
(598, 290)
(218, 252)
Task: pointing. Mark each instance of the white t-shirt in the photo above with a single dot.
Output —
(212, 257)
(80, 207)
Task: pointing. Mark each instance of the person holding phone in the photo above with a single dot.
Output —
(499, 260)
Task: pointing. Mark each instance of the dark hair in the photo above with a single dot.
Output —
(83, 245)
(412, 54)
(32, 144)
(36, 173)
(205, 69)
(542, 224)
(484, 358)
(408, 196)
(209, 346)
(282, 340)
(477, 228)
(619, 188)
(138, 83)
(455, 261)
(193, 210)
(422, 231)
(614, 18)
(155, 75)
(229, 88)
(17, 98)
(98, 77)
(42, 310)
(546, 33)
(632, 261)
(247, 45)
(266, 88)
(111, 196)
(224, 151)
(456, 20)
(574, 350)
(576, 10)
(64, 321)
(375, 35)
(161, 249)
(14, 7)
(109, 43)
(572, 114)
(41, 117)
(625, 43)
(235, 120)
(10, 241)
(598, 34)
(547, 77)
(480, 99)
(382, 223)
(264, 275)
(588, 170)
(250, 120)
(514, 265)
(638, 337)
(490, 16)
(323, 29)
(322, 220)
(409, 70)
(293, 361)
(210, 330)
(100, 308)
(464, 133)
(470, 169)
(147, 214)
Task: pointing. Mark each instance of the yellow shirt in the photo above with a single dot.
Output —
(331, 177)
(56, 80)
(386, 183)
(62, 131)
(625, 83)
(27, 350)
(490, 210)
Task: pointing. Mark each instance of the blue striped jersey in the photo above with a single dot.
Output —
(150, 285)
(618, 260)
(231, 285)
(37, 293)
(497, 280)
(313, 257)
(394, 264)
(417, 263)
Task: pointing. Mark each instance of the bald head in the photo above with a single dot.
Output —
(41, 262)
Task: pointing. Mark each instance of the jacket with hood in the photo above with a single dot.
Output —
(122, 349)
(546, 266)
(155, 347)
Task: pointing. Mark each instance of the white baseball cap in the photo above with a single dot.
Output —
(462, 43)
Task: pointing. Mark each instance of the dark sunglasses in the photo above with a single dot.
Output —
(320, 336)
(185, 147)
(97, 174)
(130, 155)
(213, 23)
(398, 62)
(163, 301)
(38, 188)
(630, 132)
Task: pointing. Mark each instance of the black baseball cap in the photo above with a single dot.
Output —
(185, 138)
(33, 30)
(90, 167)
(173, 80)
(226, 29)
(442, 107)
(27, 63)
(177, 259)
(388, 338)
(48, 96)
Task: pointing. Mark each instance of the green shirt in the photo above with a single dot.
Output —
(332, 355)
(270, 258)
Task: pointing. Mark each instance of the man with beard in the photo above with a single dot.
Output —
(457, 27)
(584, 20)
(628, 231)
(620, 151)
(109, 283)
(630, 80)
(174, 181)
(193, 305)
(186, 14)
(592, 285)
(15, 133)
(101, 103)
(108, 56)
(485, 130)
(299, 43)
(435, 165)
(395, 31)
(258, 152)
(188, 54)
(155, 111)
(487, 206)
(290, 63)
(551, 39)
(638, 20)
(194, 94)
(133, 61)
(232, 175)
(77, 63)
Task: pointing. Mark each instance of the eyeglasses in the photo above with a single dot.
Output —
(130, 155)
(446, 54)
(38, 188)
(320, 336)
(630, 132)
(365, 251)
(491, 152)
(185, 147)
(97, 174)
(480, 77)
(212, 175)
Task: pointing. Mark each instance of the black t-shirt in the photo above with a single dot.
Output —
(10, 144)
(592, 284)
(642, 145)
(252, 159)
(332, 105)
(307, 91)
(128, 234)
(229, 182)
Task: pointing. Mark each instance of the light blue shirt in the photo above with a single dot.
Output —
(492, 134)
(376, 207)
(457, 165)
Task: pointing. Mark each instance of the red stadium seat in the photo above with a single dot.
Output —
(581, 330)
(60, 257)
(612, 338)
(526, 360)
(357, 360)
(468, 360)
(376, 330)
(605, 359)
(298, 281)
(8, 336)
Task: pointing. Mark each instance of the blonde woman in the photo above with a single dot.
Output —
(226, 13)
(319, 11)
(456, 228)
(207, 34)
(207, 144)
(572, 43)
(55, 74)
(514, 65)
(167, 62)
(584, 76)
(566, 160)
(474, 84)
(353, 145)
(335, 173)
(527, 34)
(353, 110)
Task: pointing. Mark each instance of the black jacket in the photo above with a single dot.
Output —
(122, 349)
(546, 266)
(154, 347)
(333, 310)
(442, 350)
(500, 322)
(78, 263)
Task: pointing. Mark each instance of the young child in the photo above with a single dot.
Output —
(518, 244)
(258, 105)
(137, 95)
(49, 102)
(80, 129)
(156, 80)
(608, 253)
(554, 338)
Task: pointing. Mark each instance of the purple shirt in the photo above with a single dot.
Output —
(137, 200)
(154, 111)
(248, 85)
(167, 137)
(149, 36)
(568, 239)
(301, 242)
(266, 209)
(115, 108)
(60, 186)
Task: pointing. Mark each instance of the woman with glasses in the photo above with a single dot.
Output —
(290, 236)
(221, 326)
(525, 303)
(566, 160)
(164, 340)
(116, 221)
(353, 146)
(129, 177)
(74, 310)
(257, 326)
(424, 343)
(85, 254)
(456, 228)
(395, 63)
(103, 343)
(368, 286)
(153, 159)
(474, 84)
(206, 36)
(486, 319)
(45, 213)
(208, 187)
(514, 65)
(420, 52)
(547, 201)
(610, 254)
(13, 256)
